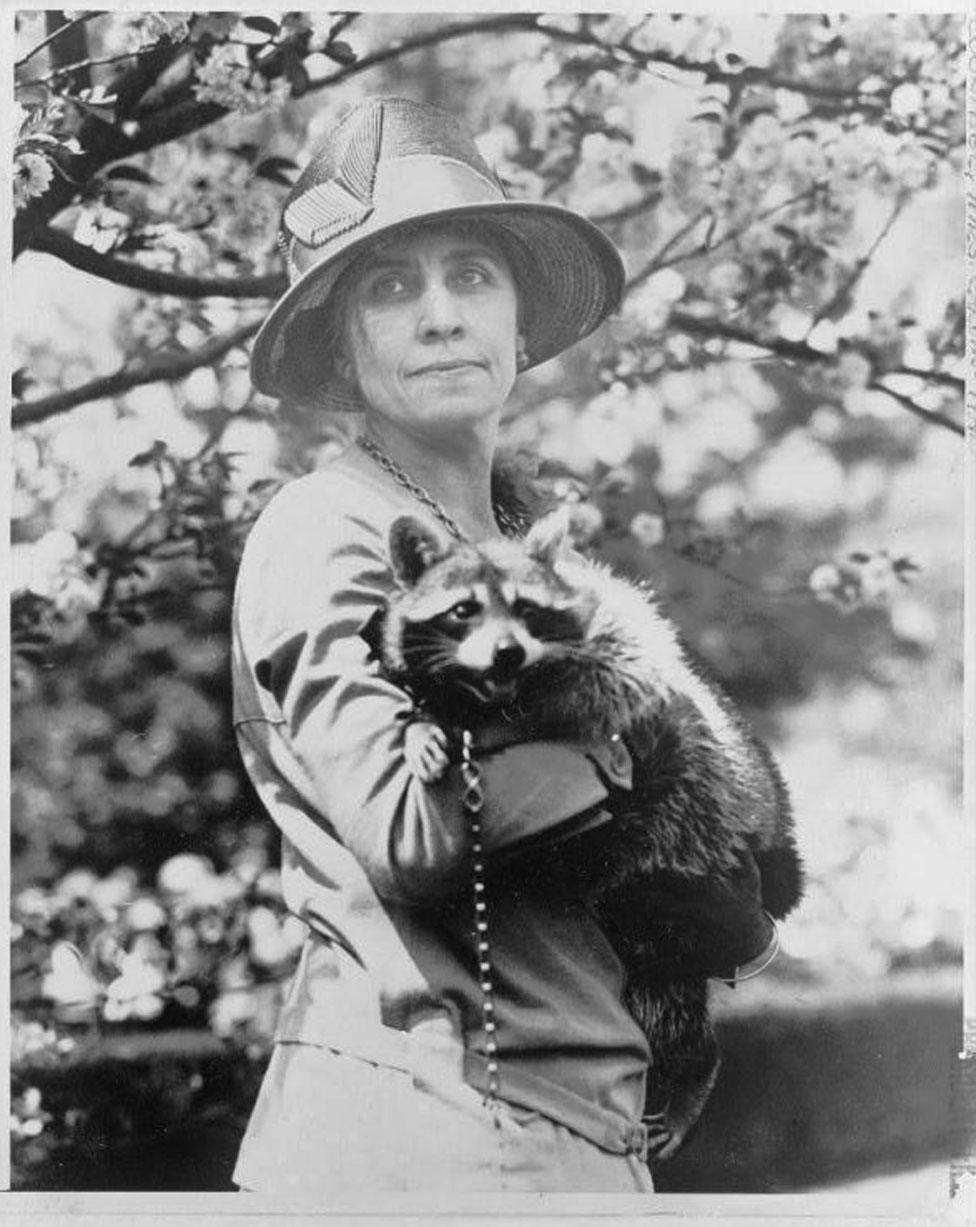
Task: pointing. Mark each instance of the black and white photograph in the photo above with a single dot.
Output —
(487, 563)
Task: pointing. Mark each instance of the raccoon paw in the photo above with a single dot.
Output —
(425, 750)
(662, 1140)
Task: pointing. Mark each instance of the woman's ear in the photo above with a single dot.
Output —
(521, 353)
(413, 550)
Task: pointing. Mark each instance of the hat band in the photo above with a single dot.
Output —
(406, 189)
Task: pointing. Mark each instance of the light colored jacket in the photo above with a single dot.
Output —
(377, 863)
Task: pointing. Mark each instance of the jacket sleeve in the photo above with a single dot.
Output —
(303, 597)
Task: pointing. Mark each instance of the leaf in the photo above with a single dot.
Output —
(133, 173)
(645, 176)
(264, 25)
(341, 52)
(104, 111)
(152, 456)
(20, 381)
(297, 75)
(274, 168)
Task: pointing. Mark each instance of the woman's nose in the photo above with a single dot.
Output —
(440, 313)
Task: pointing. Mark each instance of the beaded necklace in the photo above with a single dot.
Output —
(508, 523)
(472, 798)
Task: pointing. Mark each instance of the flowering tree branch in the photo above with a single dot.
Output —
(625, 53)
(166, 367)
(181, 113)
(800, 351)
(151, 280)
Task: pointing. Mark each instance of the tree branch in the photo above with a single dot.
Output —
(928, 415)
(104, 143)
(657, 261)
(152, 280)
(49, 38)
(166, 367)
(799, 351)
(750, 74)
(459, 29)
(842, 294)
(794, 351)
(626, 212)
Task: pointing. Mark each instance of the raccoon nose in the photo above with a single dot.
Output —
(508, 656)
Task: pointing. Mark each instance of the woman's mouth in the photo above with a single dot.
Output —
(452, 366)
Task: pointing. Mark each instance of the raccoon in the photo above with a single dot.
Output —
(530, 631)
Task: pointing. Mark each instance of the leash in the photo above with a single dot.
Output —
(473, 800)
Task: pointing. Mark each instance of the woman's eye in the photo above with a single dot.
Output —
(389, 286)
(464, 611)
(472, 275)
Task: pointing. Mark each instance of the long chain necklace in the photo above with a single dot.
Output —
(473, 797)
(508, 523)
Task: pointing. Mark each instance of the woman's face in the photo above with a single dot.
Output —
(431, 330)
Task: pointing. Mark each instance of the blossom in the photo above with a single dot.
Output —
(69, 981)
(824, 580)
(585, 522)
(33, 173)
(135, 992)
(227, 78)
(647, 529)
(184, 873)
(27, 1118)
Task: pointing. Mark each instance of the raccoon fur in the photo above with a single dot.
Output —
(531, 631)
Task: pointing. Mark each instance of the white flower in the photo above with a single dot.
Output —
(231, 1011)
(156, 26)
(824, 580)
(76, 885)
(33, 173)
(906, 99)
(585, 521)
(184, 873)
(136, 991)
(145, 914)
(914, 623)
(227, 78)
(718, 504)
(69, 982)
(647, 529)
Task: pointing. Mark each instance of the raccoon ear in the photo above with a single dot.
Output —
(549, 536)
(413, 549)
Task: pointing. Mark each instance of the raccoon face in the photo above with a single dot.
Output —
(473, 621)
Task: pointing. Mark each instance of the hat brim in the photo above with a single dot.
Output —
(571, 281)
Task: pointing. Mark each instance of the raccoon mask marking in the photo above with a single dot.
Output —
(470, 624)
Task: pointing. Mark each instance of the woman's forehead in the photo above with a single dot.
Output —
(446, 238)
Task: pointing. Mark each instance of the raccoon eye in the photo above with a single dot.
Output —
(463, 611)
(523, 608)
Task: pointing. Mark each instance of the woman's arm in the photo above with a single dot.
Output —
(312, 575)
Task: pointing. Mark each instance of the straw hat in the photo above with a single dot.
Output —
(391, 163)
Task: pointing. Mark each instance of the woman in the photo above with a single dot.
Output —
(418, 291)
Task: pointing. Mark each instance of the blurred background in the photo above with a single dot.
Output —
(770, 431)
